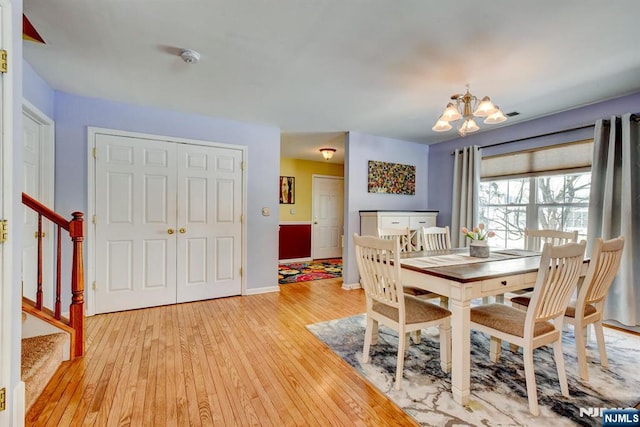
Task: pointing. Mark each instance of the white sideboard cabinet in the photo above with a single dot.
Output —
(371, 221)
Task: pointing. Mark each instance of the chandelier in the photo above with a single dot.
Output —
(463, 111)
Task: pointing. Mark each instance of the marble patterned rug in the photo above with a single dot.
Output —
(498, 391)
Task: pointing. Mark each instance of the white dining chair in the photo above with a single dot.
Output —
(435, 238)
(542, 323)
(587, 308)
(535, 239)
(403, 235)
(378, 263)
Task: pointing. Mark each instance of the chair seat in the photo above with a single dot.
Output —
(417, 310)
(571, 308)
(417, 292)
(523, 299)
(506, 319)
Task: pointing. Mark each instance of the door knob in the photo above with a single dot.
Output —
(171, 231)
(182, 230)
(315, 220)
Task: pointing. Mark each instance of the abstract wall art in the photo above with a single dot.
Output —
(391, 178)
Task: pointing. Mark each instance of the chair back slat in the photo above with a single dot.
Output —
(557, 279)
(435, 238)
(403, 235)
(535, 239)
(605, 261)
(379, 266)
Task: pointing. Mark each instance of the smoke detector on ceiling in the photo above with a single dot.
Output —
(190, 56)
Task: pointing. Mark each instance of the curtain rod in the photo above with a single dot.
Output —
(535, 136)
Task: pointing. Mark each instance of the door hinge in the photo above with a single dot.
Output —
(240, 271)
(95, 153)
(241, 166)
(3, 399)
(94, 286)
(241, 219)
(95, 219)
(4, 231)
(3, 61)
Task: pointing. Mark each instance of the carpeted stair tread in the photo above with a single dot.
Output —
(41, 357)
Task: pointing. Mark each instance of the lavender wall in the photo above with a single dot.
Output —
(36, 90)
(441, 160)
(359, 149)
(73, 114)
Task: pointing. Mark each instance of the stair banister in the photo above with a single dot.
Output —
(75, 227)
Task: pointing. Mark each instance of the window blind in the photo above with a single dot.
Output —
(576, 155)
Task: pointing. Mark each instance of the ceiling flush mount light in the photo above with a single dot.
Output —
(464, 109)
(327, 153)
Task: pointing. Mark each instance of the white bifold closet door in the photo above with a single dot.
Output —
(168, 222)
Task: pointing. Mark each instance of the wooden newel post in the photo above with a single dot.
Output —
(76, 310)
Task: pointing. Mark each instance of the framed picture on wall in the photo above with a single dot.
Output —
(287, 190)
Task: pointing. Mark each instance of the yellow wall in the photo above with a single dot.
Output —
(302, 171)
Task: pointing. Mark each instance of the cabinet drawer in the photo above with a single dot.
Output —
(416, 222)
(501, 285)
(394, 222)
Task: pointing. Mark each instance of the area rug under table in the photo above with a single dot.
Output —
(498, 391)
(308, 271)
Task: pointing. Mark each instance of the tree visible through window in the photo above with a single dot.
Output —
(557, 202)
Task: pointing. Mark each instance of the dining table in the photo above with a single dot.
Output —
(455, 274)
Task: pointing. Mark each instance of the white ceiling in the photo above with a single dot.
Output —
(318, 68)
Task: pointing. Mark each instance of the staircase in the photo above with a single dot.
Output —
(48, 338)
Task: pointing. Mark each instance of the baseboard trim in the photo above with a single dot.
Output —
(351, 286)
(264, 290)
(18, 409)
(288, 261)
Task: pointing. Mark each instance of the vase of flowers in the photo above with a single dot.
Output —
(479, 246)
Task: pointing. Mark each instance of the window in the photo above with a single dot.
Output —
(558, 202)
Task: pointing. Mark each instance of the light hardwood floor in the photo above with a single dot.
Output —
(236, 361)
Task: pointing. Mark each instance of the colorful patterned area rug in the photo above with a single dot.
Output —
(307, 271)
(498, 390)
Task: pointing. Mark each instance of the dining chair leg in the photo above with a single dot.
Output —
(562, 374)
(415, 337)
(444, 302)
(374, 333)
(581, 350)
(597, 326)
(495, 349)
(532, 393)
(445, 347)
(402, 340)
(367, 339)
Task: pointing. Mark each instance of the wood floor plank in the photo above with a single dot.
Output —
(232, 361)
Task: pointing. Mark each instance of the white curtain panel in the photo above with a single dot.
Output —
(466, 188)
(614, 209)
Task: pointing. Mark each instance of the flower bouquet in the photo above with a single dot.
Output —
(478, 235)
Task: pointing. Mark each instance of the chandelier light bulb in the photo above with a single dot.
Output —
(495, 118)
(441, 126)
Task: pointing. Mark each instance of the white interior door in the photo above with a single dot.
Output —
(9, 324)
(328, 201)
(168, 222)
(38, 181)
(31, 186)
(209, 227)
(135, 223)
